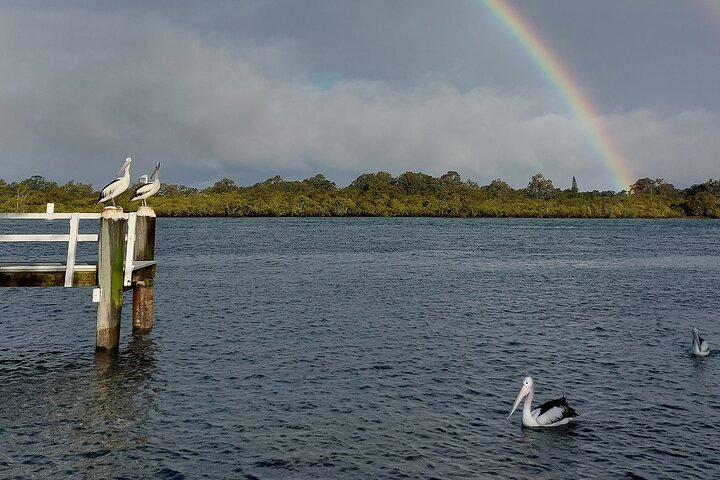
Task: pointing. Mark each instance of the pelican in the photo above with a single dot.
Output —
(699, 346)
(149, 187)
(117, 186)
(549, 414)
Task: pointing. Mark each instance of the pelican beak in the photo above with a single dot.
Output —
(696, 335)
(124, 166)
(523, 393)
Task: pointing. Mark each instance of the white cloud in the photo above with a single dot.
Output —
(680, 148)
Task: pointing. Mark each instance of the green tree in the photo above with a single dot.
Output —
(539, 187)
(702, 204)
(171, 189)
(376, 182)
(498, 188)
(222, 186)
(451, 178)
(319, 182)
(657, 187)
(642, 186)
(711, 186)
(413, 183)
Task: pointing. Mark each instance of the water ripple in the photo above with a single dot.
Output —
(378, 348)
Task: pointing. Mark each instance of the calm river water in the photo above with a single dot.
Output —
(378, 349)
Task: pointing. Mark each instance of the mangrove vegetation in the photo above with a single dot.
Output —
(382, 194)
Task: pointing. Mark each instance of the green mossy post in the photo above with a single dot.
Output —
(111, 243)
(142, 310)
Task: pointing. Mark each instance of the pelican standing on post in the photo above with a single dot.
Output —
(549, 414)
(149, 187)
(699, 346)
(117, 186)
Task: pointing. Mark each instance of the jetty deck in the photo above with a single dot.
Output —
(52, 274)
(125, 261)
(39, 273)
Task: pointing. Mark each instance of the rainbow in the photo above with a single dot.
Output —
(568, 88)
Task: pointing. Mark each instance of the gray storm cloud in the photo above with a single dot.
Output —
(87, 88)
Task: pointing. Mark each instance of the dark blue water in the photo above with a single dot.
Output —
(379, 349)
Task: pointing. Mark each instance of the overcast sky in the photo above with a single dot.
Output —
(249, 89)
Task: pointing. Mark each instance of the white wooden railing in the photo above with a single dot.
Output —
(72, 238)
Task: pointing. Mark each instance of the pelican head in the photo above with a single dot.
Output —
(527, 388)
(126, 164)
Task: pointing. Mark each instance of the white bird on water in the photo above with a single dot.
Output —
(700, 347)
(549, 414)
(148, 187)
(117, 186)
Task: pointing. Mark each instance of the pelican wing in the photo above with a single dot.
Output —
(142, 190)
(107, 192)
(553, 412)
(702, 348)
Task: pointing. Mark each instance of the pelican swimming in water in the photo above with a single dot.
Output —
(117, 186)
(699, 346)
(549, 414)
(148, 187)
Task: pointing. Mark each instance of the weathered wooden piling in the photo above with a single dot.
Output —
(142, 310)
(111, 242)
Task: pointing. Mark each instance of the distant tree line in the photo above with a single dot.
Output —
(382, 194)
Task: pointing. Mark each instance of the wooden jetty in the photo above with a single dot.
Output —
(125, 261)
